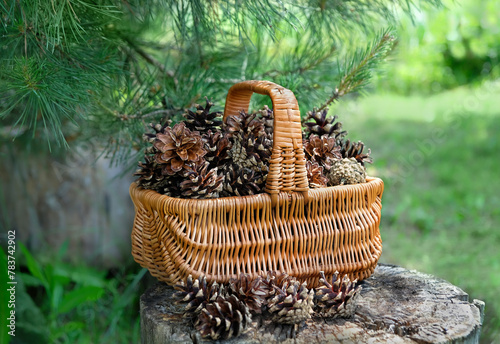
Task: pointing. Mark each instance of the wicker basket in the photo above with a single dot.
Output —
(289, 228)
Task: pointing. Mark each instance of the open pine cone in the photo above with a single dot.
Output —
(217, 146)
(223, 318)
(177, 147)
(322, 150)
(292, 303)
(355, 150)
(197, 293)
(244, 123)
(241, 181)
(323, 125)
(337, 299)
(202, 120)
(315, 175)
(201, 182)
(267, 118)
(150, 176)
(251, 291)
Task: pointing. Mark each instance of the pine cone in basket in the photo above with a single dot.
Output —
(150, 176)
(315, 175)
(267, 118)
(244, 123)
(346, 171)
(355, 150)
(217, 146)
(251, 151)
(251, 291)
(241, 181)
(202, 120)
(177, 147)
(337, 299)
(323, 125)
(201, 182)
(323, 150)
(224, 318)
(197, 293)
(292, 303)
(158, 128)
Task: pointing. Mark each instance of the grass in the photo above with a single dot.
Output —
(439, 159)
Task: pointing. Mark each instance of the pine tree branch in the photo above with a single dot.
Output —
(148, 58)
(359, 71)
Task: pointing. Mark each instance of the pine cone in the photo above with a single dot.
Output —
(292, 304)
(158, 128)
(250, 290)
(355, 150)
(217, 146)
(202, 120)
(177, 147)
(267, 118)
(223, 318)
(338, 299)
(323, 125)
(150, 176)
(315, 175)
(197, 293)
(322, 150)
(251, 151)
(201, 182)
(244, 123)
(346, 171)
(241, 181)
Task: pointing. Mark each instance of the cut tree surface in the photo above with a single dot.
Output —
(395, 306)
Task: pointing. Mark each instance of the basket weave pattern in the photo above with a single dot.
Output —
(289, 228)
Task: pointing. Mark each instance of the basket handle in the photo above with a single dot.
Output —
(287, 165)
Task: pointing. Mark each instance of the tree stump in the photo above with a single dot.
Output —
(395, 306)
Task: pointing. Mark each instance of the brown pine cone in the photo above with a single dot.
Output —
(244, 123)
(224, 318)
(355, 150)
(177, 147)
(201, 182)
(292, 303)
(323, 125)
(315, 175)
(338, 298)
(197, 293)
(241, 181)
(202, 120)
(322, 150)
(217, 146)
(251, 291)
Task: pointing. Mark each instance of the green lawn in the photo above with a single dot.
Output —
(439, 159)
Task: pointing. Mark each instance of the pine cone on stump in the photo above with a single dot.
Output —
(224, 318)
(292, 303)
(338, 298)
(197, 293)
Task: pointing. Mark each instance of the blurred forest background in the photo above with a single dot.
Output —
(430, 114)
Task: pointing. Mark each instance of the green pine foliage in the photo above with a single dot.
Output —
(100, 71)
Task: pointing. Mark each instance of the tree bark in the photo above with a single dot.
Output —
(395, 306)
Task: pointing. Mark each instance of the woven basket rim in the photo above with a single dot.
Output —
(369, 181)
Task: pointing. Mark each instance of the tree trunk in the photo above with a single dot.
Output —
(395, 306)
